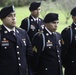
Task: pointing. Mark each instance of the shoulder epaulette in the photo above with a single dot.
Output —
(26, 18)
(19, 28)
(69, 28)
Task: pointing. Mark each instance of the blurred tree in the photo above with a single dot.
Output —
(64, 6)
(16, 2)
(46, 7)
(4, 2)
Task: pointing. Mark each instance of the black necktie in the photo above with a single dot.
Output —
(12, 32)
(36, 21)
(13, 35)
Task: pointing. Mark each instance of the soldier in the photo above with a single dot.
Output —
(15, 46)
(68, 53)
(46, 47)
(33, 23)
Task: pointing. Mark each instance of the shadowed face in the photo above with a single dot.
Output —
(52, 26)
(36, 12)
(74, 18)
(10, 20)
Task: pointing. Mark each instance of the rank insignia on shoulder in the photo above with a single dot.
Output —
(34, 49)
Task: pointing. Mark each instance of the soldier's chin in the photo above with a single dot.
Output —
(14, 25)
(54, 30)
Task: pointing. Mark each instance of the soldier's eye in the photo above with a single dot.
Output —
(9, 15)
(55, 22)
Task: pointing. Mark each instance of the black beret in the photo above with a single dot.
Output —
(34, 6)
(50, 17)
(73, 12)
(6, 11)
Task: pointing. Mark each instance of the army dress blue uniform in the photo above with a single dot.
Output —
(15, 52)
(48, 61)
(68, 53)
(33, 26)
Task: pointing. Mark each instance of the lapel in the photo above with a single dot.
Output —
(40, 22)
(7, 35)
(31, 19)
(51, 38)
(15, 38)
(37, 25)
(73, 26)
(19, 38)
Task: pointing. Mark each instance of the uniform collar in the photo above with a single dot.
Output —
(13, 29)
(34, 18)
(48, 31)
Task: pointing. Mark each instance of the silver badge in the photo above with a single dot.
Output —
(32, 27)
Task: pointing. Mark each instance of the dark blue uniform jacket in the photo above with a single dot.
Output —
(15, 52)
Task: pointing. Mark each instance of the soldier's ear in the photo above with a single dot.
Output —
(72, 17)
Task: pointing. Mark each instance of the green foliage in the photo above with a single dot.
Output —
(4, 2)
(16, 2)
